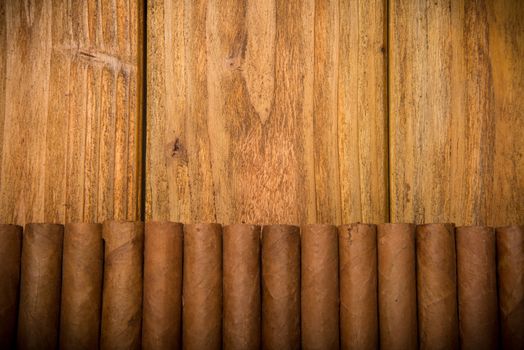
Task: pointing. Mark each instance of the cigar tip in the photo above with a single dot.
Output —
(122, 222)
(284, 226)
(396, 224)
(163, 223)
(474, 228)
(317, 226)
(83, 224)
(436, 224)
(355, 224)
(203, 224)
(43, 224)
(11, 225)
(510, 227)
(242, 225)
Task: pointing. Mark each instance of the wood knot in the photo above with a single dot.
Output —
(176, 150)
(234, 63)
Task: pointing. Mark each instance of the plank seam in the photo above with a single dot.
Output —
(142, 158)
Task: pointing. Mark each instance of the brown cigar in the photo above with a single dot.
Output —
(122, 291)
(162, 310)
(202, 287)
(477, 287)
(10, 250)
(242, 299)
(358, 286)
(397, 288)
(319, 287)
(41, 279)
(437, 286)
(510, 251)
(280, 287)
(82, 270)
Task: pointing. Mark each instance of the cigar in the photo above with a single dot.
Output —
(280, 287)
(319, 287)
(358, 286)
(202, 287)
(477, 287)
(40, 282)
(10, 251)
(82, 270)
(510, 252)
(437, 286)
(162, 310)
(122, 290)
(397, 289)
(242, 298)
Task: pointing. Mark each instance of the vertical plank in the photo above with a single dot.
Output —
(26, 103)
(121, 138)
(289, 182)
(247, 111)
(76, 146)
(506, 49)
(197, 131)
(69, 114)
(135, 132)
(325, 101)
(3, 59)
(362, 111)
(455, 152)
(92, 145)
(158, 16)
(58, 118)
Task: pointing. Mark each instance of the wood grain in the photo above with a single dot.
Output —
(69, 110)
(456, 118)
(266, 111)
(263, 111)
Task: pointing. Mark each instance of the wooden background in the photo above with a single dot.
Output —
(266, 111)
(69, 110)
(263, 111)
(456, 111)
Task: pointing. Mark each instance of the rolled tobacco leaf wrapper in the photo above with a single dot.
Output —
(162, 310)
(202, 287)
(41, 279)
(122, 289)
(437, 286)
(10, 251)
(82, 272)
(477, 287)
(358, 286)
(397, 289)
(319, 287)
(510, 252)
(280, 287)
(242, 297)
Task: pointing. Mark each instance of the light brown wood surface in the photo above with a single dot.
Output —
(456, 112)
(266, 111)
(263, 111)
(69, 110)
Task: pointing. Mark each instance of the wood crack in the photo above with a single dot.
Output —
(94, 56)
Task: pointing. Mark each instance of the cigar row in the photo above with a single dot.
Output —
(164, 285)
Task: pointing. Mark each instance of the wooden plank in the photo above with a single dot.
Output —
(325, 108)
(69, 103)
(506, 43)
(3, 59)
(26, 104)
(455, 118)
(253, 108)
(362, 111)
